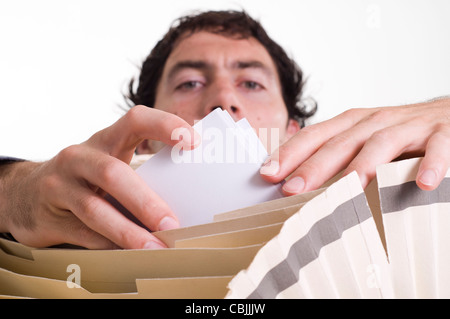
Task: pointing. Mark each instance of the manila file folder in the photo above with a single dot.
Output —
(388, 241)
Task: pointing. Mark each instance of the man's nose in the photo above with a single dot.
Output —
(225, 97)
(233, 110)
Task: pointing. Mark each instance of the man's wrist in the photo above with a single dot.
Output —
(12, 170)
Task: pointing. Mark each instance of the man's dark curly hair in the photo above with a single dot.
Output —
(228, 23)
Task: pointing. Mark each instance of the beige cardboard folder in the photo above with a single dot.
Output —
(118, 271)
(200, 263)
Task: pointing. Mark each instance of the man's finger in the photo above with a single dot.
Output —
(306, 143)
(100, 216)
(120, 181)
(141, 123)
(436, 161)
(77, 233)
(384, 146)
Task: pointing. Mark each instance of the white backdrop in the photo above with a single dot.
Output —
(64, 64)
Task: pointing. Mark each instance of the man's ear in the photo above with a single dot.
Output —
(292, 128)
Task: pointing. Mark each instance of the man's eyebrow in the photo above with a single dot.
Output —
(253, 64)
(187, 64)
(203, 65)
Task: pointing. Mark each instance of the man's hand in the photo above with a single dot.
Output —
(62, 200)
(359, 140)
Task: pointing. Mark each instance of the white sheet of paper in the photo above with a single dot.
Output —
(220, 175)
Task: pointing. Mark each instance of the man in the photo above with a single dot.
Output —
(214, 59)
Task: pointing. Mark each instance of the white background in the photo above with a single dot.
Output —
(64, 64)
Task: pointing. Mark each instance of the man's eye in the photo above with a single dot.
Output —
(252, 85)
(189, 85)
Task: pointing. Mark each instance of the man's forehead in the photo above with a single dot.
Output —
(205, 49)
(208, 35)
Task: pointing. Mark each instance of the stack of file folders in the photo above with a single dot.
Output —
(387, 241)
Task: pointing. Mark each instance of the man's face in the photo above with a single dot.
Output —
(206, 71)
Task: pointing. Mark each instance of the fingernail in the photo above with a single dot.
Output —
(295, 185)
(153, 245)
(428, 177)
(193, 141)
(168, 223)
(270, 168)
(186, 140)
